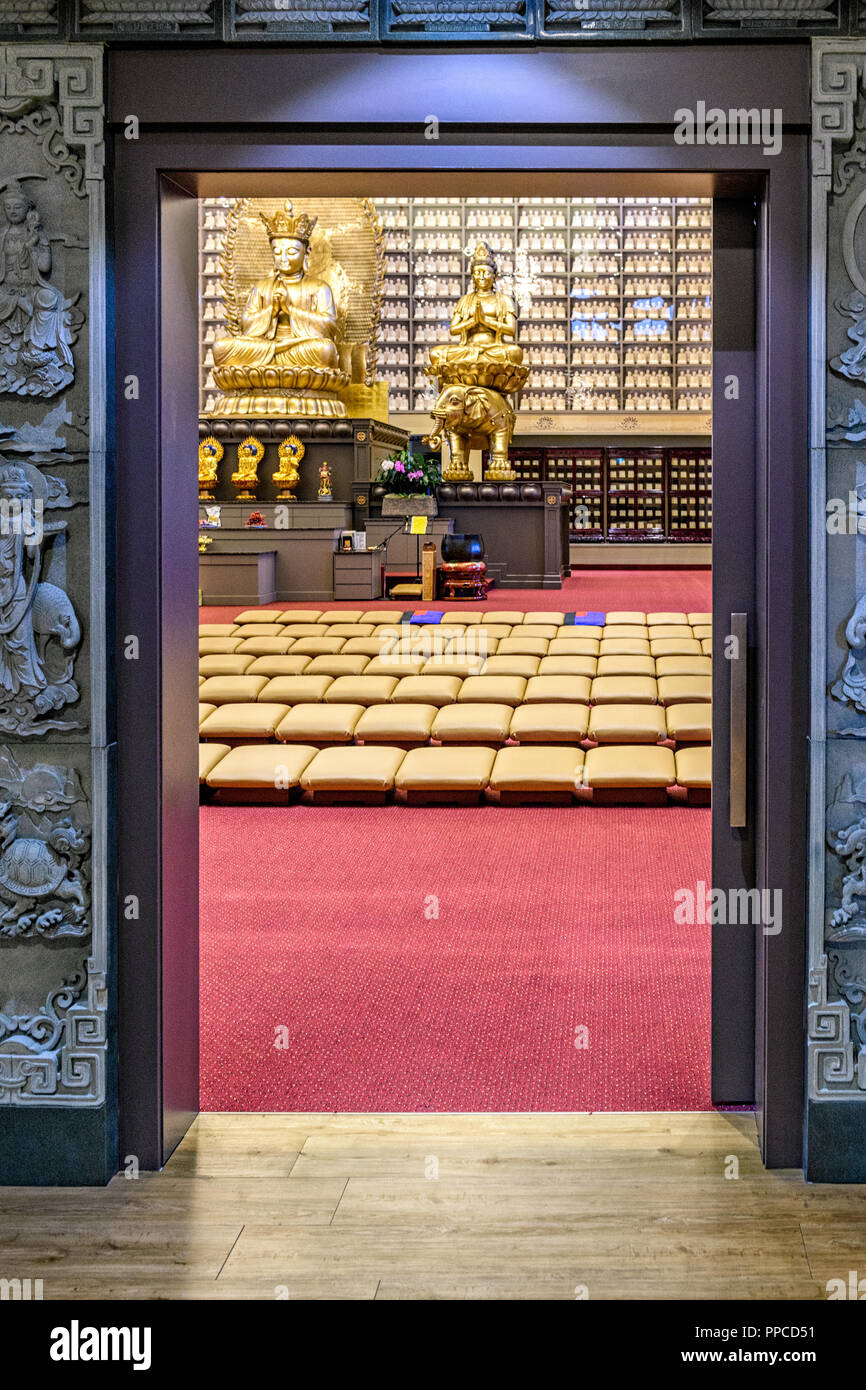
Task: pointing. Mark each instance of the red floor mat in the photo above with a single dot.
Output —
(323, 922)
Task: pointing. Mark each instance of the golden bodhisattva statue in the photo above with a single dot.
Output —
(477, 372)
(286, 358)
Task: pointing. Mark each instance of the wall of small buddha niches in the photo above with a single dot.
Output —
(614, 296)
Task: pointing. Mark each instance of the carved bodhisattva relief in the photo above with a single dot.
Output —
(38, 325)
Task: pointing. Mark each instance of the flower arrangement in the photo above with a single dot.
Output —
(255, 519)
(408, 474)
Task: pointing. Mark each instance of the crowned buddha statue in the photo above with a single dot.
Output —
(485, 324)
(285, 359)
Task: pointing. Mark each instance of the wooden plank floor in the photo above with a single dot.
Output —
(444, 1206)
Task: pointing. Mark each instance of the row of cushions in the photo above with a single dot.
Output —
(461, 723)
(465, 616)
(448, 689)
(346, 664)
(381, 769)
(477, 639)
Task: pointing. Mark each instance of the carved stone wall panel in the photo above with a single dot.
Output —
(762, 17)
(614, 18)
(53, 901)
(21, 19)
(326, 19)
(147, 19)
(845, 569)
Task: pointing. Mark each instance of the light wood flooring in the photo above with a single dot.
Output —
(444, 1207)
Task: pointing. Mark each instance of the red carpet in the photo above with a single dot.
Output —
(588, 590)
(313, 920)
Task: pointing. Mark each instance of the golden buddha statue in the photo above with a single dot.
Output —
(485, 322)
(286, 358)
(475, 374)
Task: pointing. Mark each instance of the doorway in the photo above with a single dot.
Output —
(167, 1096)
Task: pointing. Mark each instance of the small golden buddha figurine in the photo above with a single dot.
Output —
(290, 452)
(246, 479)
(210, 451)
(325, 494)
(485, 322)
(285, 359)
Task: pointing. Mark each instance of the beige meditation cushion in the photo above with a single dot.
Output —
(260, 615)
(361, 690)
(445, 769)
(545, 630)
(449, 664)
(270, 766)
(253, 720)
(626, 666)
(627, 723)
(580, 630)
(492, 632)
(539, 616)
(428, 690)
(554, 722)
(707, 646)
(467, 619)
(624, 690)
(204, 711)
(262, 630)
(377, 616)
(516, 645)
(317, 723)
(568, 666)
(302, 630)
(465, 723)
(537, 768)
(351, 629)
(690, 723)
(695, 766)
(367, 768)
(545, 689)
(337, 665)
(701, 630)
(278, 666)
(493, 690)
(684, 666)
(397, 664)
(684, 689)
(508, 616)
(620, 616)
(699, 618)
(216, 629)
(624, 646)
(209, 755)
(318, 646)
(301, 615)
(231, 665)
(675, 646)
(265, 646)
(226, 690)
(653, 619)
(367, 646)
(341, 615)
(619, 631)
(661, 630)
(573, 646)
(217, 646)
(406, 723)
(500, 665)
(626, 765)
(297, 690)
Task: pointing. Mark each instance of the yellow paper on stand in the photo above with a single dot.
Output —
(419, 526)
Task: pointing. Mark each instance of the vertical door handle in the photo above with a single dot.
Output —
(739, 705)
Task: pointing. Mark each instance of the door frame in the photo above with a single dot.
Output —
(157, 177)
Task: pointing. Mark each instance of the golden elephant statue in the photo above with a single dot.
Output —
(474, 416)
